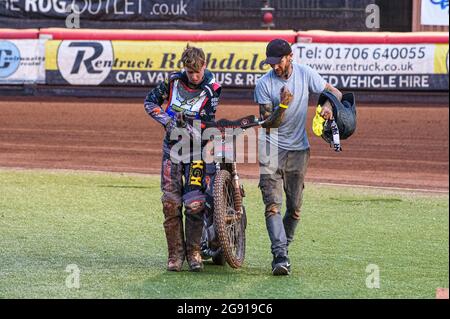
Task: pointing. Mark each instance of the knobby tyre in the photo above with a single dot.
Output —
(229, 224)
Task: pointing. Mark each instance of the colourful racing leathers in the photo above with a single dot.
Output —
(184, 181)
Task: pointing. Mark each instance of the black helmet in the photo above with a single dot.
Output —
(344, 113)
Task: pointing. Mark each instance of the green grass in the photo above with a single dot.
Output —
(110, 226)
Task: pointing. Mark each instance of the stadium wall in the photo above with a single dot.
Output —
(132, 61)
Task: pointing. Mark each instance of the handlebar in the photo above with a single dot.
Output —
(222, 124)
(242, 123)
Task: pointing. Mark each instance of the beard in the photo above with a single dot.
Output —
(287, 70)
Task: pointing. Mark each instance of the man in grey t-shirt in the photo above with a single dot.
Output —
(282, 95)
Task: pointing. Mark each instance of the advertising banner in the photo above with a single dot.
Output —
(185, 14)
(97, 13)
(434, 12)
(378, 67)
(147, 63)
(22, 61)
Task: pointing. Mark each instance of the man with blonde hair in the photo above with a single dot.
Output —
(195, 93)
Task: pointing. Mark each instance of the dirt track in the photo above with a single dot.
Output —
(394, 146)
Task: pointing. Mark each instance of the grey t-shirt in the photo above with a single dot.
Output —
(292, 132)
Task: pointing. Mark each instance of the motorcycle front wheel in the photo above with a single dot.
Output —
(229, 224)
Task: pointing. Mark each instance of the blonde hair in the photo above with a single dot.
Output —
(193, 58)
